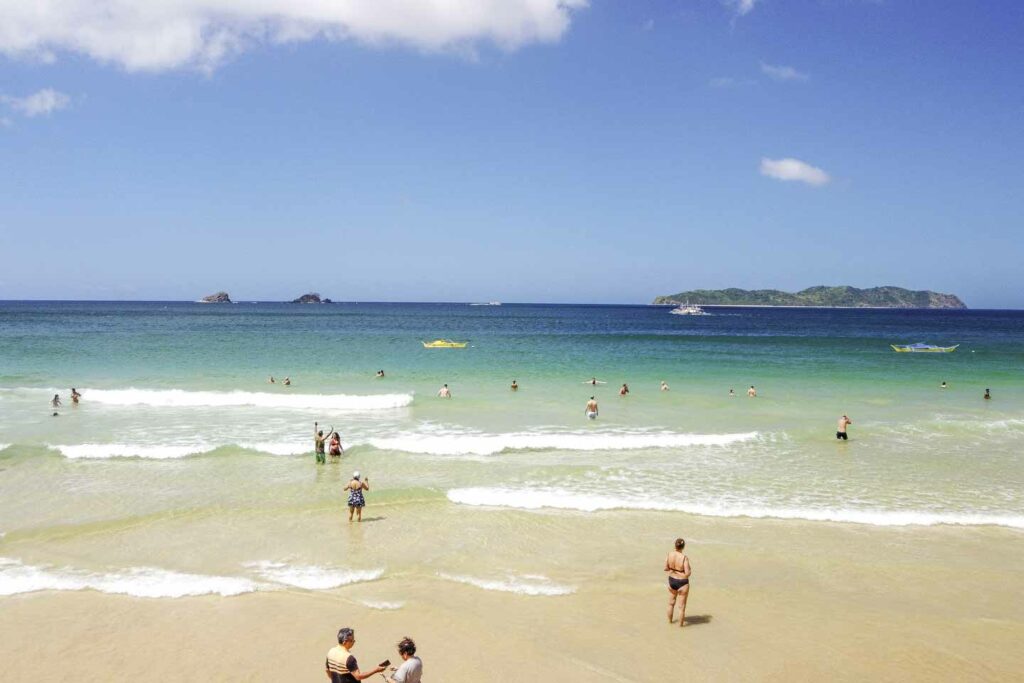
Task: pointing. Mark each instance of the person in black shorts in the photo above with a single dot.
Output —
(841, 430)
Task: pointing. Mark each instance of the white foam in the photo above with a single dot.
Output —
(4, 446)
(532, 585)
(475, 443)
(124, 450)
(382, 604)
(143, 582)
(178, 398)
(279, 447)
(535, 499)
(311, 577)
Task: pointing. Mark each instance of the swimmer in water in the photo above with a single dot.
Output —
(75, 396)
(987, 395)
(272, 380)
(593, 381)
(55, 401)
(515, 386)
(624, 390)
(732, 394)
(444, 392)
(943, 385)
(380, 373)
(752, 392)
(287, 381)
(591, 409)
(664, 385)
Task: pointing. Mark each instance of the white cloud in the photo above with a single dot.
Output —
(783, 73)
(743, 7)
(155, 35)
(794, 169)
(42, 103)
(5, 122)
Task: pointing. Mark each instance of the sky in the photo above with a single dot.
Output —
(512, 150)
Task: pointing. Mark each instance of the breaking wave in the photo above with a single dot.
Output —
(311, 577)
(524, 585)
(474, 443)
(178, 398)
(533, 499)
(143, 582)
(123, 450)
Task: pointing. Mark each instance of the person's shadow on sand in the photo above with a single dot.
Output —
(698, 619)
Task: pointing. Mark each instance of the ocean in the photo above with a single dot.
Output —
(184, 471)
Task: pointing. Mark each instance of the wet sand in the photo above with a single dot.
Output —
(771, 600)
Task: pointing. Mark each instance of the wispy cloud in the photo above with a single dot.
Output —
(783, 73)
(742, 7)
(789, 169)
(42, 103)
(157, 35)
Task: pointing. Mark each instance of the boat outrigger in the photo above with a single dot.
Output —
(445, 344)
(922, 348)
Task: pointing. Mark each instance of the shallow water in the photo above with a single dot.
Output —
(180, 436)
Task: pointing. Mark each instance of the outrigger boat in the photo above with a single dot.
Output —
(922, 348)
(444, 344)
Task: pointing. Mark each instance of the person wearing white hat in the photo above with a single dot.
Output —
(356, 502)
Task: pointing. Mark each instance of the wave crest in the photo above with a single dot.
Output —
(533, 499)
(179, 398)
(527, 585)
(311, 577)
(143, 582)
(473, 443)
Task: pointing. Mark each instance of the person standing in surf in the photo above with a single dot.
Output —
(319, 443)
(334, 447)
(356, 502)
(75, 396)
(624, 390)
(677, 564)
(591, 409)
(844, 422)
(444, 392)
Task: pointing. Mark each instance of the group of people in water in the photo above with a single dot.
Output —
(329, 444)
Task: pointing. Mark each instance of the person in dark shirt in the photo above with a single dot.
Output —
(341, 665)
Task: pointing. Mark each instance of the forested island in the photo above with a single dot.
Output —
(821, 296)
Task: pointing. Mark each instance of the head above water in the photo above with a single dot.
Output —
(345, 635)
(680, 544)
(406, 646)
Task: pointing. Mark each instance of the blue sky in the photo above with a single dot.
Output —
(517, 150)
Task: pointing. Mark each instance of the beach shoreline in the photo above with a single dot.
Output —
(771, 600)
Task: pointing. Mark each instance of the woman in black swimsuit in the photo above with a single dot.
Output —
(678, 567)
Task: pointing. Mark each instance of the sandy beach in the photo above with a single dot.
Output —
(771, 600)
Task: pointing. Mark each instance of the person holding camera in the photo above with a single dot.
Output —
(341, 665)
(411, 670)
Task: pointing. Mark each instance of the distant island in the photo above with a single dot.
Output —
(311, 298)
(218, 298)
(821, 296)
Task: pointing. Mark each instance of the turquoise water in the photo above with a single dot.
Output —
(178, 425)
(178, 417)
